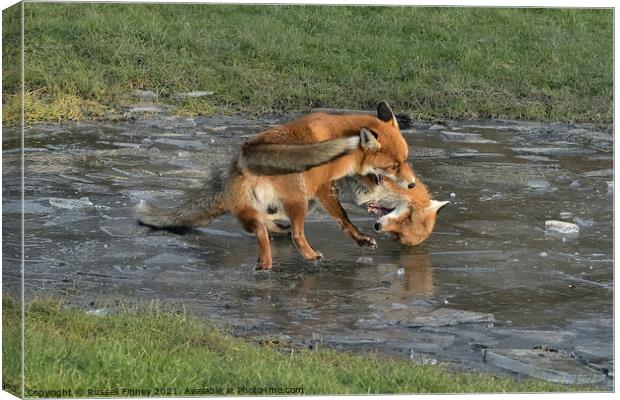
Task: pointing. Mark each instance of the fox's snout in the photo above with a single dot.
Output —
(406, 177)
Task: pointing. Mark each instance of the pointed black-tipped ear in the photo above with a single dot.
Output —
(384, 112)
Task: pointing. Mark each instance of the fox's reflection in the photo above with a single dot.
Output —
(418, 278)
(330, 299)
(415, 279)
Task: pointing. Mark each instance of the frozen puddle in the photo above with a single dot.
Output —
(495, 288)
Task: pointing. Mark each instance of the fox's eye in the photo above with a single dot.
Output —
(394, 167)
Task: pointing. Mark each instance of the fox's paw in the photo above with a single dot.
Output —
(366, 241)
(262, 267)
(314, 255)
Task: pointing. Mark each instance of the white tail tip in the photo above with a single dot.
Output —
(353, 142)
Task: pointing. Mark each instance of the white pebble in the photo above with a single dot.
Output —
(561, 227)
(543, 254)
(452, 195)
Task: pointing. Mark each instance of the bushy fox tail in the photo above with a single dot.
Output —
(276, 159)
(199, 209)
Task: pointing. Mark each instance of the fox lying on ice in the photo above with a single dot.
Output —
(286, 166)
(408, 214)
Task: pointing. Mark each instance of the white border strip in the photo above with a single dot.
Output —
(23, 247)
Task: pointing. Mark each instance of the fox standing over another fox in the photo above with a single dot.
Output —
(281, 169)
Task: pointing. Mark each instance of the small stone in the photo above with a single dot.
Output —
(574, 185)
(566, 215)
(610, 186)
(543, 254)
(452, 195)
(561, 228)
(365, 260)
(400, 272)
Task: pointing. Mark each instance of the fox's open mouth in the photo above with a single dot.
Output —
(377, 209)
(376, 178)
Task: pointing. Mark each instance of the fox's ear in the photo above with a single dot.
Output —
(368, 140)
(385, 113)
(437, 205)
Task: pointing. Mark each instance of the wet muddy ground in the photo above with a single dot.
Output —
(488, 281)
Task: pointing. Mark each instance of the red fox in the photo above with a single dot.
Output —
(408, 214)
(283, 168)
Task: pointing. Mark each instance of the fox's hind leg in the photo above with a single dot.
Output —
(251, 222)
(328, 196)
(297, 213)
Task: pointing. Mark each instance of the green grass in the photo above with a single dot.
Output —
(148, 347)
(544, 64)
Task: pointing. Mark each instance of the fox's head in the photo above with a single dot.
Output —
(409, 214)
(385, 149)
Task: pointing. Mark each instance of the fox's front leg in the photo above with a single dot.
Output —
(328, 196)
